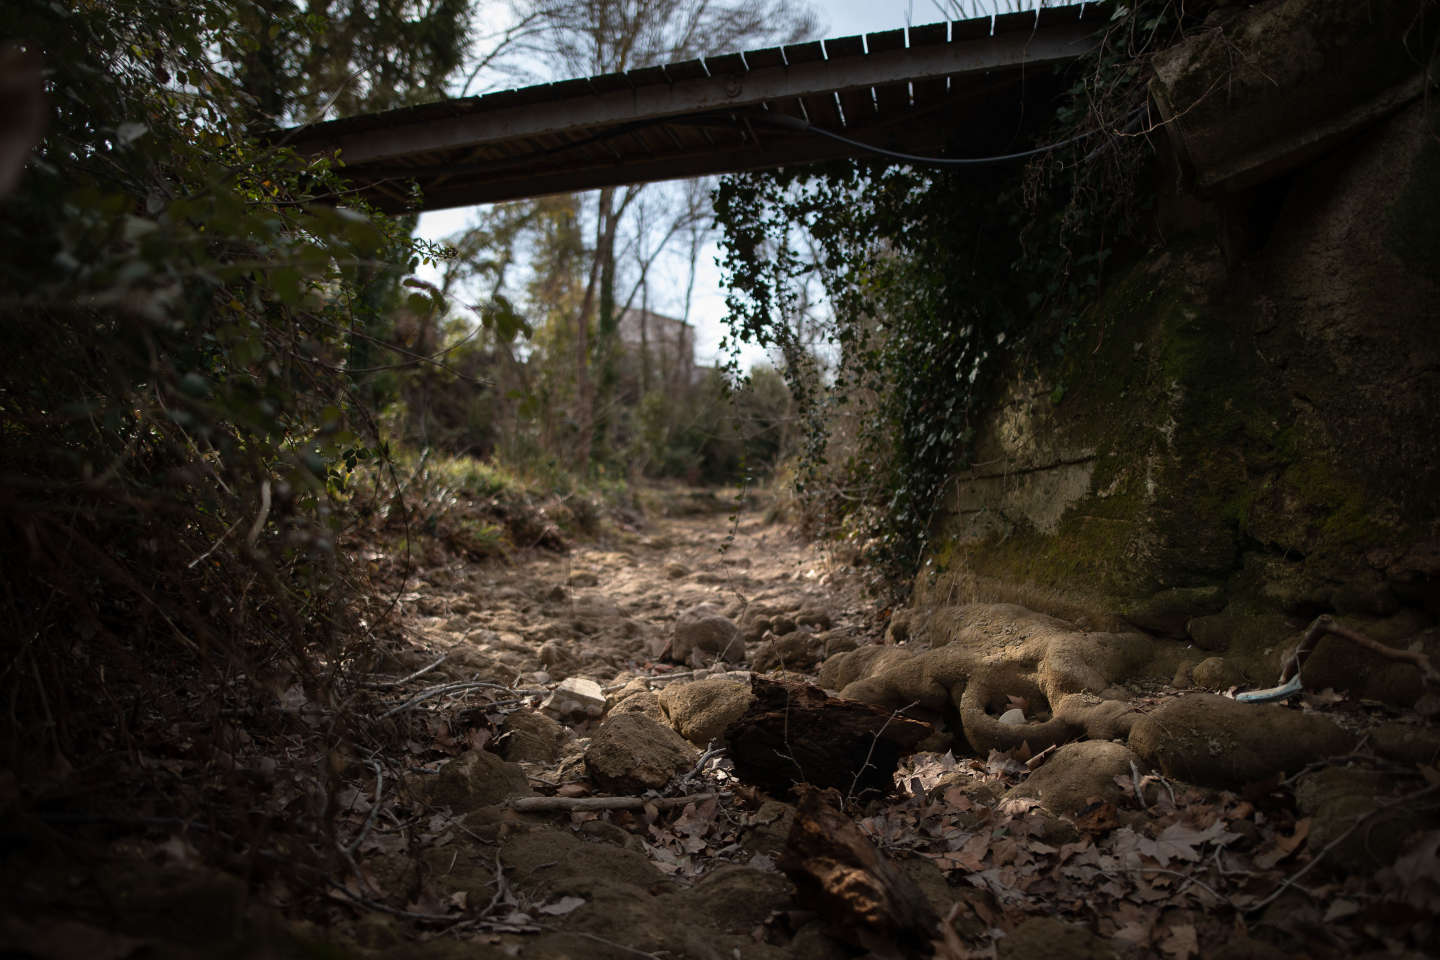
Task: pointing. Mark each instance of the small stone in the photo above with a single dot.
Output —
(813, 615)
(575, 698)
(645, 703)
(631, 753)
(782, 625)
(703, 634)
(677, 571)
(584, 578)
(531, 736)
(1217, 673)
(1013, 717)
(554, 653)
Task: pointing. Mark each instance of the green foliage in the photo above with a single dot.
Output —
(175, 404)
(933, 277)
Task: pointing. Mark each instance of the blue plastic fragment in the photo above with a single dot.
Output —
(1287, 689)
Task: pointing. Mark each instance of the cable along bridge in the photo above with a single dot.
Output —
(961, 88)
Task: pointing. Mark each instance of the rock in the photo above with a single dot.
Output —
(531, 736)
(798, 650)
(703, 634)
(584, 578)
(700, 711)
(575, 698)
(782, 625)
(1335, 798)
(1336, 662)
(1406, 743)
(630, 753)
(1045, 938)
(1013, 717)
(1167, 612)
(1217, 673)
(813, 615)
(476, 779)
(1216, 742)
(632, 686)
(554, 653)
(646, 703)
(677, 571)
(1077, 774)
(756, 620)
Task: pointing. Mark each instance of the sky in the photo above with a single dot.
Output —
(838, 18)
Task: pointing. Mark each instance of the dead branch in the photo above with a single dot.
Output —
(1324, 625)
(571, 804)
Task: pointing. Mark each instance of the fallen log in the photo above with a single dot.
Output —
(864, 899)
(793, 733)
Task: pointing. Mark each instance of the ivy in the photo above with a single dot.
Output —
(932, 278)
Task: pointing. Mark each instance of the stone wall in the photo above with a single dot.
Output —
(1245, 433)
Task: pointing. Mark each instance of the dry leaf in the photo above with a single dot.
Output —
(563, 906)
(1284, 846)
(1180, 942)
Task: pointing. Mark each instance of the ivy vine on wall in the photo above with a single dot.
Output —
(931, 276)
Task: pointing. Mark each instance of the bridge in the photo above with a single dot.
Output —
(960, 88)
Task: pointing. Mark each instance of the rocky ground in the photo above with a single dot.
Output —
(558, 781)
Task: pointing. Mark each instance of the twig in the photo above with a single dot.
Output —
(386, 684)
(1325, 624)
(855, 781)
(260, 517)
(684, 675)
(214, 546)
(570, 804)
(393, 911)
(1188, 880)
(1034, 761)
(462, 685)
(612, 943)
(1139, 791)
(374, 808)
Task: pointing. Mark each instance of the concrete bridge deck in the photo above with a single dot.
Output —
(964, 88)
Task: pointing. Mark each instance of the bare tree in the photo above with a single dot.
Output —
(588, 37)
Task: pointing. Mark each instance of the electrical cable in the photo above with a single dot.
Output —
(797, 124)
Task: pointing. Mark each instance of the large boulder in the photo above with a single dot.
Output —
(703, 635)
(1216, 742)
(631, 753)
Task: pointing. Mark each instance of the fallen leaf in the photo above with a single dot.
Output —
(563, 906)
(1180, 942)
(1284, 846)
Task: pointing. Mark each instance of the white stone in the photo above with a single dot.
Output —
(575, 697)
(1014, 717)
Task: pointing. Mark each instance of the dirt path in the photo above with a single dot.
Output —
(608, 608)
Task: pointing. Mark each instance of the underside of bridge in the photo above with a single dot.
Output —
(961, 89)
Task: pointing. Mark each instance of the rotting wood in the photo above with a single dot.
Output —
(864, 899)
(794, 733)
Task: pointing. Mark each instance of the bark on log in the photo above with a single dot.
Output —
(864, 899)
(793, 733)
